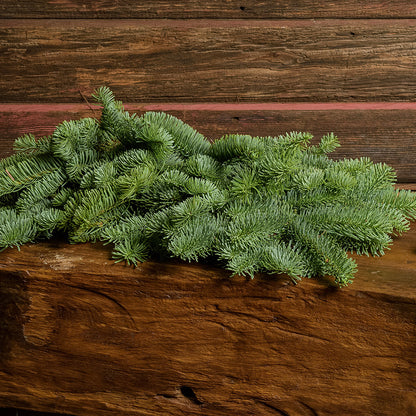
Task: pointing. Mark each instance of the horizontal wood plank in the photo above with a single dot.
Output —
(230, 9)
(209, 60)
(87, 336)
(385, 132)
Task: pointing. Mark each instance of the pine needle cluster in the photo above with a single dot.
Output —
(154, 187)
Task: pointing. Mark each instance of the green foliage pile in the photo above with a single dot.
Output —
(153, 186)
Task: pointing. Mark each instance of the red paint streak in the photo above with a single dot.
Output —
(42, 108)
(352, 106)
(273, 106)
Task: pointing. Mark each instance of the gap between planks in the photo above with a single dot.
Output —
(199, 23)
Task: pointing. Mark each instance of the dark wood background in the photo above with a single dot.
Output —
(260, 68)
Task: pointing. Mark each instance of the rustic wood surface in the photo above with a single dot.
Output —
(8, 411)
(83, 336)
(209, 60)
(87, 336)
(230, 9)
(383, 132)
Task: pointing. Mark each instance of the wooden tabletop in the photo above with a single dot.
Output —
(391, 274)
(84, 335)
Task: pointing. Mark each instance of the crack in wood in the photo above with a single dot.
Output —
(108, 297)
(189, 393)
(310, 408)
(310, 336)
(274, 408)
(272, 321)
(166, 396)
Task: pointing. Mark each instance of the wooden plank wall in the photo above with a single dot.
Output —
(261, 68)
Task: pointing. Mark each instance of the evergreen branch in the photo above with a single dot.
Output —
(328, 144)
(131, 251)
(325, 256)
(47, 221)
(23, 173)
(194, 239)
(13, 159)
(203, 166)
(154, 186)
(29, 144)
(237, 146)
(284, 258)
(74, 137)
(42, 188)
(15, 229)
(186, 140)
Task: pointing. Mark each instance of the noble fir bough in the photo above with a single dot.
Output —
(153, 186)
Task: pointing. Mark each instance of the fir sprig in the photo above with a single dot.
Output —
(153, 186)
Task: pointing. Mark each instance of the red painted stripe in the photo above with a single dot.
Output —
(76, 107)
(198, 23)
(273, 106)
(41, 108)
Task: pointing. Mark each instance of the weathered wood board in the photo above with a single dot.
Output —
(230, 9)
(83, 335)
(45, 60)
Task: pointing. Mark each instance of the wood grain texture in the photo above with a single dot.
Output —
(92, 337)
(384, 132)
(230, 9)
(209, 60)
(8, 411)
